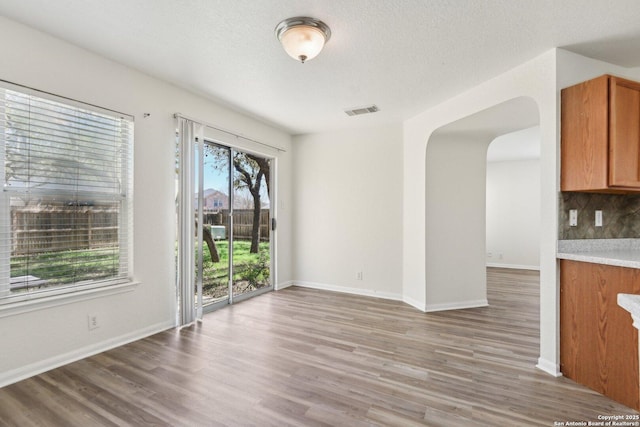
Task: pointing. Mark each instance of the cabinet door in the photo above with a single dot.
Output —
(624, 133)
(598, 343)
(580, 314)
(584, 134)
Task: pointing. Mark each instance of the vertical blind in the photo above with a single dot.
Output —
(189, 281)
(65, 218)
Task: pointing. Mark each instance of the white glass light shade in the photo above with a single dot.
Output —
(302, 43)
(303, 38)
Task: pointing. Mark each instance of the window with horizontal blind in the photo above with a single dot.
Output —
(66, 212)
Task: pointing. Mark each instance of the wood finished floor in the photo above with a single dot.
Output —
(314, 358)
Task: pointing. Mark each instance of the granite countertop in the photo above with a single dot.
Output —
(631, 303)
(617, 252)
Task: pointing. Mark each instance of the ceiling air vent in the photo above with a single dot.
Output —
(362, 110)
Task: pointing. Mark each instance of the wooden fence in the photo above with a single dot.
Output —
(242, 223)
(61, 228)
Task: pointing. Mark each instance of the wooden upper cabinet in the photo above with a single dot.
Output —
(600, 136)
(624, 133)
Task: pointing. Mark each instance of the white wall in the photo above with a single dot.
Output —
(513, 200)
(348, 215)
(456, 203)
(574, 68)
(513, 214)
(34, 341)
(456, 170)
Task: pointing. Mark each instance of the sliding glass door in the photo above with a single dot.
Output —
(233, 224)
(214, 207)
(251, 255)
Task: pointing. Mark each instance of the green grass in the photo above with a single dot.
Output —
(253, 268)
(241, 253)
(65, 267)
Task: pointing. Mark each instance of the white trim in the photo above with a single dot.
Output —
(281, 286)
(346, 290)
(549, 367)
(514, 266)
(415, 303)
(458, 305)
(41, 302)
(24, 372)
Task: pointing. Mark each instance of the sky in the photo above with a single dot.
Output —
(217, 179)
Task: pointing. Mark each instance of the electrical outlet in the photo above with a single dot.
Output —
(499, 256)
(489, 255)
(573, 217)
(359, 275)
(598, 218)
(92, 322)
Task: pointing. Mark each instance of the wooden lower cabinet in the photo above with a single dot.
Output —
(598, 343)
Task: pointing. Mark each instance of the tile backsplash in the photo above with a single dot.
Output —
(620, 216)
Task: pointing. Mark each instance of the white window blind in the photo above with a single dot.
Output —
(66, 213)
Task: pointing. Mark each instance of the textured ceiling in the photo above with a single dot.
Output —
(403, 55)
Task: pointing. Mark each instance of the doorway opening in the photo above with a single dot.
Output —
(513, 192)
(455, 195)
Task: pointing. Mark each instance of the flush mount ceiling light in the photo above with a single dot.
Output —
(303, 38)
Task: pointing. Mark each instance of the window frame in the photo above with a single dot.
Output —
(17, 302)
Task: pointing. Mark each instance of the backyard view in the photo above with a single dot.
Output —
(237, 182)
(250, 272)
(64, 213)
(63, 267)
(57, 243)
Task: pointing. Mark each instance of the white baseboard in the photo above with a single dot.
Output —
(395, 297)
(346, 290)
(284, 285)
(36, 368)
(549, 367)
(514, 266)
(420, 305)
(458, 305)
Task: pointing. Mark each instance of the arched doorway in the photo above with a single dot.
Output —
(455, 262)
